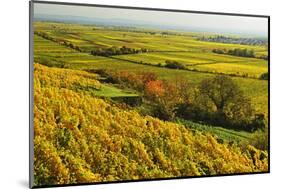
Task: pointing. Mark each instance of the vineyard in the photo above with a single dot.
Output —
(80, 138)
(121, 103)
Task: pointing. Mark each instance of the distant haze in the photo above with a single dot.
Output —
(223, 24)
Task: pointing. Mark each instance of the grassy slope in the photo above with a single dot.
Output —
(111, 91)
(227, 135)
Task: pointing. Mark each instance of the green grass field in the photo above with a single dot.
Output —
(111, 91)
(227, 135)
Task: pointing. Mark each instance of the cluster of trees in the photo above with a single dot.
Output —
(232, 40)
(174, 64)
(162, 95)
(216, 101)
(236, 52)
(117, 51)
(128, 79)
(70, 45)
(45, 36)
(79, 138)
(219, 101)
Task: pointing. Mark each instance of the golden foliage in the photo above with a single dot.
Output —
(80, 138)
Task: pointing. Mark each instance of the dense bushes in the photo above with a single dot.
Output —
(163, 96)
(174, 64)
(264, 76)
(260, 140)
(128, 79)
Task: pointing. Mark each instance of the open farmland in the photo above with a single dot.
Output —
(89, 37)
(47, 51)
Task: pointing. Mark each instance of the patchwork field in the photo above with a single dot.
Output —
(194, 54)
(97, 36)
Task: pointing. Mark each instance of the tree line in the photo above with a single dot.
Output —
(117, 51)
(236, 52)
(60, 41)
(111, 51)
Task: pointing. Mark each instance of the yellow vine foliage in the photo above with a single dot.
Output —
(79, 138)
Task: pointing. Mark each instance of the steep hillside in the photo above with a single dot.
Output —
(80, 138)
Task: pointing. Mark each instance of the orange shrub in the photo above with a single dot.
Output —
(154, 89)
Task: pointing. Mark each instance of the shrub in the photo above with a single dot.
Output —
(260, 139)
(154, 89)
(218, 51)
(136, 81)
(174, 64)
(264, 76)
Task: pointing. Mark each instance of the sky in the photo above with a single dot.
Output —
(214, 23)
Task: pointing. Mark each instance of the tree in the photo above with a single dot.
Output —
(165, 97)
(220, 90)
(183, 90)
(154, 89)
(264, 76)
(229, 101)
